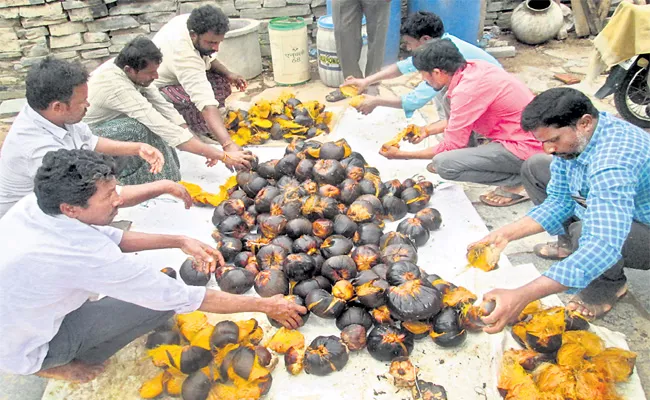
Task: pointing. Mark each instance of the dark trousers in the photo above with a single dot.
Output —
(99, 329)
(536, 174)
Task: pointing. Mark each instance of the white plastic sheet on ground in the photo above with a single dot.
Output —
(467, 372)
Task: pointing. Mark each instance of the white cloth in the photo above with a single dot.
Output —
(113, 95)
(31, 137)
(182, 64)
(51, 265)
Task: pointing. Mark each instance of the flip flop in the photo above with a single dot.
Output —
(596, 300)
(335, 96)
(514, 198)
(551, 251)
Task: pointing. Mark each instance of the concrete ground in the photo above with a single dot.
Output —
(536, 67)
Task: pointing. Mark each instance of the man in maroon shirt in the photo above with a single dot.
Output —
(484, 99)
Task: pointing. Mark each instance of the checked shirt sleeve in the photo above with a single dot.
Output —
(558, 206)
(606, 224)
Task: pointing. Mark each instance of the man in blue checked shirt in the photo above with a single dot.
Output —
(417, 29)
(599, 178)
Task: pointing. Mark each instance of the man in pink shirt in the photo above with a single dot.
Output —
(484, 99)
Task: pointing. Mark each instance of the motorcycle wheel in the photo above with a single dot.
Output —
(632, 99)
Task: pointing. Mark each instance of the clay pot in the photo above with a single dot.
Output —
(536, 21)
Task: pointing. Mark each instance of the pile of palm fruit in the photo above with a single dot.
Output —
(283, 118)
(561, 359)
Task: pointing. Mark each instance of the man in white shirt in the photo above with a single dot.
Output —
(190, 77)
(56, 102)
(125, 106)
(58, 251)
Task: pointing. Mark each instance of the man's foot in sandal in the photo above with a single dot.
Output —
(335, 96)
(594, 302)
(553, 250)
(505, 196)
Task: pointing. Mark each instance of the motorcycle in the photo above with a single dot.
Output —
(629, 82)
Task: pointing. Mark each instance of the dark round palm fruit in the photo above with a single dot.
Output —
(224, 333)
(374, 201)
(393, 187)
(244, 258)
(401, 272)
(264, 198)
(298, 227)
(241, 195)
(354, 337)
(287, 165)
(306, 244)
(270, 282)
(304, 119)
(253, 187)
(413, 228)
(156, 339)
(237, 281)
(324, 283)
(447, 328)
(287, 183)
(303, 288)
(296, 300)
(354, 315)
(289, 206)
(430, 218)
(330, 207)
(283, 241)
(415, 199)
(390, 238)
(233, 226)
(276, 131)
(386, 342)
(323, 304)
(361, 211)
(191, 276)
(304, 169)
(380, 270)
(368, 233)
(230, 247)
(322, 228)
(394, 207)
(336, 245)
(328, 171)
(355, 172)
(344, 226)
(267, 170)
(169, 271)
(271, 256)
(196, 387)
(366, 257)
(227, 208)
(251, 243)
(350, 191)
(399, 252)
(364, 276)
(367, 187)
(408, 183)
(273, 226)
(299, 267)
(414, 300)
(330, 191)
(426, 186)
(244, 177)
(339, 267)
(325, 354)
(318, 262)
(308, 188)
(331, 151)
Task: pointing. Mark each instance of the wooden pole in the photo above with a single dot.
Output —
(582, 28)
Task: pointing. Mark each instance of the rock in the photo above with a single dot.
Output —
(7, 34)
(318, 3)
(124, 38)
(11, 107)
(288, 11)
(95, 37)
(90, 46)
(318, 12)
(113, 23)
(66, 55)
(115, 48)
(243, 4)
(67, 28)
(10, 13)
(73, 4)
(91, 64)
(34, 22)
(567, 79)
(37, 50)
(155, 17)
(12, 3)
(156, 26)
(299, 1)
(29, 61)
(502, 52)
(265, 49)
(11, 47)
(46, 10)
(274, 3)
(57, 42)
(227, 6)
(91, 54)
(88, 14)
(10, 23)
(142, 7)
(34, 33)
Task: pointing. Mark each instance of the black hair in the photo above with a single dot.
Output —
(53, 80)
(208, 19)
(70, 177)
(422, 23)
(441, 54)
(557, 108)
(138, 53)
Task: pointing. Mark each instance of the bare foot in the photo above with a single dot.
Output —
(593, 311)
(75, 371)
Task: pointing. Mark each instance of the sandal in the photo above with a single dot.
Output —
(514, 198)
(553, 250)
(334, 96)
(597, 299)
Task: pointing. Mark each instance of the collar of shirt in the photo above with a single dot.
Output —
(42, 122)
(458, 75)
(588, 153)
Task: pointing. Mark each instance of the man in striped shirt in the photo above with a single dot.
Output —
(600, 176)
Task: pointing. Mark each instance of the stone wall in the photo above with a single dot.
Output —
(93, 31)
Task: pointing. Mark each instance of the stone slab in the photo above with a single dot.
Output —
(57, 42)
(142, 7)
(74, 4)
(243, 4)
(502, 52)
(227, 6)
(34, 22)
(318, 3)
(36, 50)
(95, 37)
(155, 17)
(66, 55)
(67, 28)
(156, 26)
(9, 13)
(7, 34)
(90, 46)
(288, 11)
(11, 107)
(299, 1)
(113, 23)
(46, 10)
(92, 54)
(14, 3)
(6, 54)
(274, 3)
(88, 14)
(33, 33)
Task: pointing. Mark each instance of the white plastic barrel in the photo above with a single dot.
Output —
(329, 67)
(289, 50)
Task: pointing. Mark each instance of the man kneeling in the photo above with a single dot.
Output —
(58, 251)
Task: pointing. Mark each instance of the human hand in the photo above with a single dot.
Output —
(238, 159)
(237, 80)
(390, 152)
(509, 303)
(179, 191)
(152, 156)
(415, 139)
(360, 83)
(285, 312)
(206, 258)
(211, 162)
(231, 146)
(495, 237)
(368, 104)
